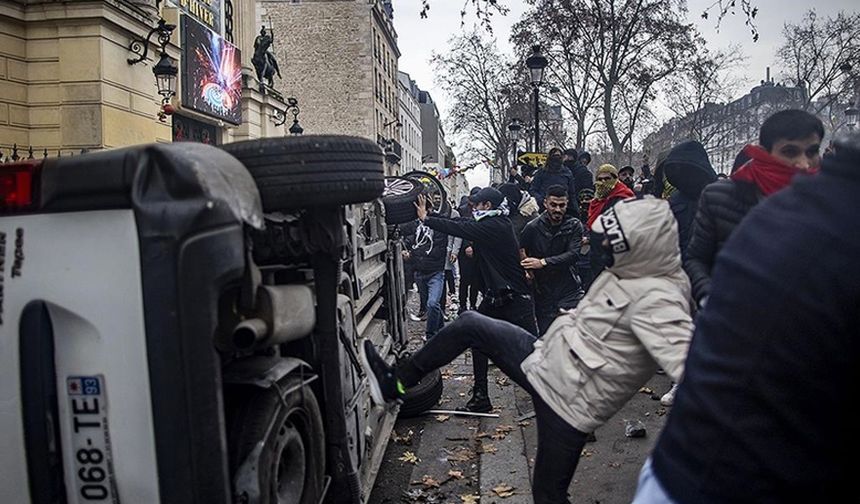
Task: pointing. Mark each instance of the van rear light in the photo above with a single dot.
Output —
(18, 183)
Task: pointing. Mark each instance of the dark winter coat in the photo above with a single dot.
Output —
(558, 283)
(688, 168)
(427, 247)
(496, 249)
(763, 412)
(546, 177)
(582, 178)
(722, 206)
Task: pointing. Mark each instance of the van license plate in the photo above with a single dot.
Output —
(91, 449)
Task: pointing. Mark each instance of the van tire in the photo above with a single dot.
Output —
(298, 435)
(312, 171)
(422, 396)
(399, 199)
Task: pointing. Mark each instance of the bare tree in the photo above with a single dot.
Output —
(635, 45)
(722, 8)
(820, 56)
(475, 76)
(695, 95)
(570, 69)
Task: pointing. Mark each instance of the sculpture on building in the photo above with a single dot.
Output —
(264, 59)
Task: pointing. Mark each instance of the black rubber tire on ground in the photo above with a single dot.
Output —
(399, 200)
(312, 171)
(417, 175)
(423, 396)
(299, 414)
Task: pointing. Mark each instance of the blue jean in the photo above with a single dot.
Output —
(430, 287)
(650, 491)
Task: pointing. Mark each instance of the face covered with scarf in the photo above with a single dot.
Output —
(605, 180)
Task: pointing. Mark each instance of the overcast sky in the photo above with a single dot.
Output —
(419, 38)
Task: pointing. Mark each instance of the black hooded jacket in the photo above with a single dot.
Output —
(582, 178)
(428, 248)
(688, 168)
(496, 248)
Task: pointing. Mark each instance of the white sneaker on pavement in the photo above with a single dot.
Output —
(414, 318)
(669, 397)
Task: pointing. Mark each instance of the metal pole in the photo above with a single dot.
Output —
(537, 120)
(514, 164)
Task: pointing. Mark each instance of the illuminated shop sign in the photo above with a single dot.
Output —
(211, 73)
(207, 12)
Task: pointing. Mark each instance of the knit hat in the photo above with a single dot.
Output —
(607, 168)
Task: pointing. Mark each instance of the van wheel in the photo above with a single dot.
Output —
(312, 171)
(399, 199)
(291, 466)
(423, 396)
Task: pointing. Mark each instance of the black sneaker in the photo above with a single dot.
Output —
(479, 403)
(383, 382)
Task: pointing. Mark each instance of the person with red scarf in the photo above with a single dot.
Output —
(789, 145)
(608, 191)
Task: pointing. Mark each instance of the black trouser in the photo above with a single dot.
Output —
(519, 311)
(559, 444)
(468, 282)
(546, 310)
(447, 287)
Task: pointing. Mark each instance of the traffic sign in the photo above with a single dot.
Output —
(534, 159)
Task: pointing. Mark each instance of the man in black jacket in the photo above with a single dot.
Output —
(551, 244)
(763, 413)
(427, 251)
(689, 170)
(789, 144)
(554, 173)
(506, 293)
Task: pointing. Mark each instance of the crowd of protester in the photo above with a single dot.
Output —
(742, 288)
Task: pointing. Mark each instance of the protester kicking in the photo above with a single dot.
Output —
(589, 363)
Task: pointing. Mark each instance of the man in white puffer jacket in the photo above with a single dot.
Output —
(634, 318)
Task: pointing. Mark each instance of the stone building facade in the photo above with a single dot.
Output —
(724, 129)
(433, 146)
(66, 84)
(410, 123)
(339, 59)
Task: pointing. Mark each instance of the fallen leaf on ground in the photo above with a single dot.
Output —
(414, 495)
(461, 454)
(587, 453)
(504, 428)
(503, 381)
(429, 482)
(442, 418)
(661, 411)
(404, 440)
(645, 390)
(504, 490)
(462, 394)
(455, 474)
(409, 457)
(481, 435)
(488, 448)
(470, 499)
(615, 464)
(524, 423)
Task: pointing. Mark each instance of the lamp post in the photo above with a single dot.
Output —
(536, 64)
(515, 128)
(165, 77)
(852, 111)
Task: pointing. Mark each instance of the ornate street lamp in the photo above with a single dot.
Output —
(165, 70)
(165, 77)
(536, 64)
